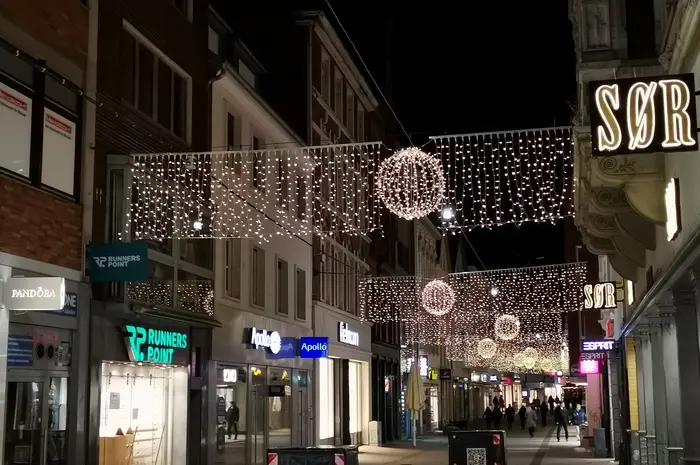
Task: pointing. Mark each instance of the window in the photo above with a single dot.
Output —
(230, 132)
(246, 73)
(339, 94)
(283, 183)
(213, 41)
(350, 113)
(183, 6)
(325, 76)
(258, 166)
(282, 287)
(360, 134)
(199, 252)
(257, 277)
(301, 197)
(233, 268)
(301, 294)
(153, 84)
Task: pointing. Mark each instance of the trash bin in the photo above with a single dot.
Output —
(318, 455)
(480, 447)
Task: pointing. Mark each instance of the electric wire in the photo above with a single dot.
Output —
(474, 250)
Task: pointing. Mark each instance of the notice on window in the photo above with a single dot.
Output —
(20, 351)
(114, 399)
(15, 130)
(58, 162)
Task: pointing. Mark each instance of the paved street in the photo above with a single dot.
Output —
(543, 449)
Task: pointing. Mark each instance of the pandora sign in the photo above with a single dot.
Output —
(643, 115)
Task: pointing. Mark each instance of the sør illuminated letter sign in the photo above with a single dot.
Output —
(643, 115)
(600, 296)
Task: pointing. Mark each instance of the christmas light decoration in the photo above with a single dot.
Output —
(411, 183)
(195, 296)
(438, 298)
(507, 327)
(519, 360)
(508, 177)
(255, 194)
(547, 365)
(487, 348)
(531, 354)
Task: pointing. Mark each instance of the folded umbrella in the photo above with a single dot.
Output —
(415, 396)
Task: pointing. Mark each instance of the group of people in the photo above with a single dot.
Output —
(528, 415)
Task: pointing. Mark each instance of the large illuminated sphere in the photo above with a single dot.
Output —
(438, 298)
(411, 183)
(530, 363)
(507, 327)
(531, 354)
(486, 348)
(547, 365)
(519, 359)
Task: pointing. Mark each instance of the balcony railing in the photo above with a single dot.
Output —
(195, 296)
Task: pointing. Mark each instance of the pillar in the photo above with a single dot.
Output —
(658, 375)
(672, 402)
(686, 301)
(641, 339)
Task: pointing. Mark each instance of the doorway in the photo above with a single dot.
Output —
(37, 418)
(303, 430)
(258, 427)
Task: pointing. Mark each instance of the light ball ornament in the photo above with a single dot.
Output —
(411, 183)
(519, 359)
(507, 327)
(438, 298)
(547, 365)
(486, 348)
(530, 363)
(531, 354)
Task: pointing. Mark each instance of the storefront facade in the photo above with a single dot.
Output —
(45, 385)
(343, 397)
(264, 392)
(386, 390)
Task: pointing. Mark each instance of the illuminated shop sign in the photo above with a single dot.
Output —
(230, 375)
(156, 345)
(422, 365)
(589, 367)
(643, 115)
(600, 296)
(34, 294)
(313, 347)
(672, 199)
(262, 338)
(346, 336)
(597, 345)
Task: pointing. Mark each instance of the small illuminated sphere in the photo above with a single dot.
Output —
(197, 225)
(486, 348)
(411, 183)
(494, 291)
(447, 213)
(507, 327)
(438, 298)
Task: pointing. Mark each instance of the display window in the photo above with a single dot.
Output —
(143, 414)
(231, 419)
(280, 409)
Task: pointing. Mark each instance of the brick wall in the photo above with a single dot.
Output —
(39, 226)
(62, 24)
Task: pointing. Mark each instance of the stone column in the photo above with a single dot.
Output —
(658, 404)
(641, 338)
(686, 301)
(674, 426)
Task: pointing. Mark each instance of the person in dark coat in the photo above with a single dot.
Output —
(521, 414)
(232, 417)
(561, 419)
(510, 416)
(497, 417)
(543, 413)
(488, 416)
(550, 401)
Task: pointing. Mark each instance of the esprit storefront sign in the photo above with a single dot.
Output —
(603, 345)
(346, 336)
(600, 296)
(34, 294)
(156, 345)
(262, 338)
(643, 115)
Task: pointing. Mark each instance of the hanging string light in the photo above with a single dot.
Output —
(487, 348)
(507, 327)
(255, 194)
(508, 177)
(438, 298)
(411, 183)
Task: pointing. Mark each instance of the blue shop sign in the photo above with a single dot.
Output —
(313, 347)
(119, 261)
(288, 349)
(70, 307)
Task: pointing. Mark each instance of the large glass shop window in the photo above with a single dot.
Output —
(231, 420)
(143, 415)
(280, 409)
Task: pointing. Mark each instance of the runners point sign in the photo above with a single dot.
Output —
(156, 345)
(120, 261)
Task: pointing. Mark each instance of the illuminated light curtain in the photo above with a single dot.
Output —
(508, 177)
(255, 193)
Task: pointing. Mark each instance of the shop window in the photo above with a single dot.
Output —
(143, 414)
(280, 409)
(231, 408)
(355, 396)
(257, 277)
(233, 268)
(326, 399)
(301, 294)
(282, 287)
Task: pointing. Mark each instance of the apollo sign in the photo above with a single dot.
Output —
(600, 296)
(643, 115)
(269, 340)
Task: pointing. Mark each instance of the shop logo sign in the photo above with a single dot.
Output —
(346, 336)
(230, 375)
(600, 296)
(597, 345)
(313, 347)
(120, 261)
(644, 115)
(154, 345)
(35, 294)
(269, 340)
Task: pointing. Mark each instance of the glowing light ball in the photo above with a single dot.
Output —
(438, 298)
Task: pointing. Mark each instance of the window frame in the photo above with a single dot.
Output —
(326, 76)
(253, 281)
(338, 94)
(350, 112)
(278, 291)
(297, 270)
(228, 273)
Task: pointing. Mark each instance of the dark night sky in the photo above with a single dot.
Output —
(489, 66)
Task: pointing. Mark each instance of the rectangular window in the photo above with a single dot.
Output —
(360, 134)
(165, 91)
(233, 268)
(230, 132)
(282, 287)
(213, 39)
(325, 76)
(339, 92)
(258, 166)
(350, 113)
(145, 84)
(301, 197)
(301, 294)
(283, 183)
(258, 277)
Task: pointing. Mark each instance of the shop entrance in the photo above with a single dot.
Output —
(37, 418)
(303, 431)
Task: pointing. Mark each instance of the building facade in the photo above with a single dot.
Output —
(45, 73)
(640, 211)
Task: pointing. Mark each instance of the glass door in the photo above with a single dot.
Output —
(258, 414)
(302, 429)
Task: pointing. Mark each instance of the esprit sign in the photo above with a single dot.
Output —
(269, 340)
(600, 296)
(643, 115)
(597, 345)
(35, 294)
(346, 336)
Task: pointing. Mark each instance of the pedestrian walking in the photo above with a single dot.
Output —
(550, 401)
(531, 420)
(510, 416)
(522, 412)
(561, 419)
(497, 417)
(543, 411)
(578, 419)
(488, 416)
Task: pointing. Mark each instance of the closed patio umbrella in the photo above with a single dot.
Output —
(415, 396)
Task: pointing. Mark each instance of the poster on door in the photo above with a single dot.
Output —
(15, 130)
(58, 161)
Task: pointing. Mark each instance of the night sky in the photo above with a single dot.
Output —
(454, 70)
